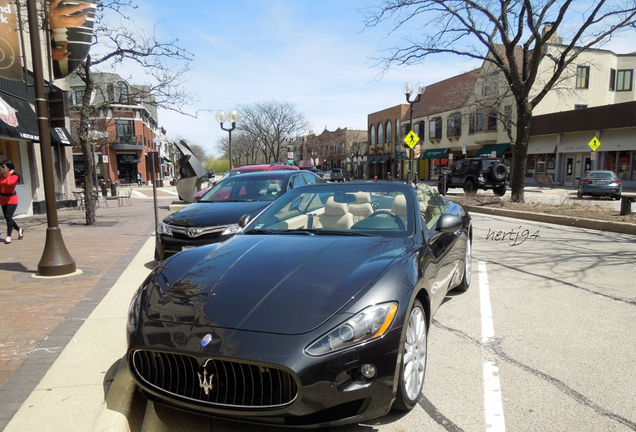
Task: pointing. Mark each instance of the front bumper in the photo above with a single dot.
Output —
(168, 245)
(329, 389)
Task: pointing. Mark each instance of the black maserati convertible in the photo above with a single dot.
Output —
(317, 313)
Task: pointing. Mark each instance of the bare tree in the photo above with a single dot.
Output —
(513, 36)
(271, 126)
(119, 42)
(244, 149)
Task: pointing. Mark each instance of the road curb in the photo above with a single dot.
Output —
(617, 227)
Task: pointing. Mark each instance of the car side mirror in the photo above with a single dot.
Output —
(244, 220)
(449, 223)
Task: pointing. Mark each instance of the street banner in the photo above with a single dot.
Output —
(10, 64)
(71, 24)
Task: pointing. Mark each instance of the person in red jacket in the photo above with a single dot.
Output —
(8, 198)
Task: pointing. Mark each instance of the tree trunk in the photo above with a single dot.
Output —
(87, 148)
(520, 153)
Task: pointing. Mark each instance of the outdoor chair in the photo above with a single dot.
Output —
(124, 197)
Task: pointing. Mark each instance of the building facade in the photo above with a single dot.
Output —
(473, 115)
(387, 154)
(123, 129)
(342, 148)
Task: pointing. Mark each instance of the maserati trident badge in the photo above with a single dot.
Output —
(205, 382)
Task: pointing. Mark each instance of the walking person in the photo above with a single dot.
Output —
(139, 179)
(8, 198)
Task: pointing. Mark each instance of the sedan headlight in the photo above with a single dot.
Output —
(369, 324)
(232, 229)
(164, 228)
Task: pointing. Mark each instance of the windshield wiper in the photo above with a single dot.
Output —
(320, 231)
(260, 231)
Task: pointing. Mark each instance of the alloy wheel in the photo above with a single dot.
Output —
(415, 353)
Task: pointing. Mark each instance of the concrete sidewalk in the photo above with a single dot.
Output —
(89, 388)
(39, 317)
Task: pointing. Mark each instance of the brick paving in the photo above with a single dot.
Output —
(39, 317)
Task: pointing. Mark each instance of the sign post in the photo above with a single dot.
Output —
(411, 139)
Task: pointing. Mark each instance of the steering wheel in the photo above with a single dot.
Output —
(395, 217)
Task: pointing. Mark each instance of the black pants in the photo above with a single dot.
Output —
(9, 211)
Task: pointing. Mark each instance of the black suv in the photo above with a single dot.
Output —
(476, 173)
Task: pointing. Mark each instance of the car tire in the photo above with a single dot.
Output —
(499, 171)
(412, 360)
(617, 197)
(469, 187)
(468, 268)
(499, 190)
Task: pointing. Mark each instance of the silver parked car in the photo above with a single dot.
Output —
(600, 183)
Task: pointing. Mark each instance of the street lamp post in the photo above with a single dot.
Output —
(233, 117)
(408, 91)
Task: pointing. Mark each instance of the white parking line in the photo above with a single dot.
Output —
(493, 407)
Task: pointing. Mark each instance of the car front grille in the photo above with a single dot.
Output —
(197, 232)
(215, 382)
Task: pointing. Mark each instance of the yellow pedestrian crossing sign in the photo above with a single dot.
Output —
(594, 144)
(411, 139)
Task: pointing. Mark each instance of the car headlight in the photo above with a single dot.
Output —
(164, 228)
(232, 229)
(369, 324)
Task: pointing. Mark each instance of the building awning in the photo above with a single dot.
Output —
(489, 148)
(385, 158)
(372, 159)
(434, 153)
(17, 119)
(59, 135)
(401, 156)
(542, 145)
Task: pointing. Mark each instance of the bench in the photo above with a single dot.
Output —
(542, 179)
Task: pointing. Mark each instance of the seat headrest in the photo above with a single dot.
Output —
(333, 208)
(362, 197)
(399, 205)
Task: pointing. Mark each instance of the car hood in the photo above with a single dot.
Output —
(277, 284)
(218, 213)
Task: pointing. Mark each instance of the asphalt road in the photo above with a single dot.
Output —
(542, 341)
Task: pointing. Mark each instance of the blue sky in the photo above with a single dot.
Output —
(314, 54)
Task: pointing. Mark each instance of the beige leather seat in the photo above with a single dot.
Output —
(362, 207)
(336, 215)
(399, 208)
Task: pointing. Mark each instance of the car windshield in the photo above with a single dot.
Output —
(358, 209)
(235, 189)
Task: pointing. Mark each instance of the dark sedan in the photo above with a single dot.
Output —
(215, 216)
(316, 314)
(600, 183)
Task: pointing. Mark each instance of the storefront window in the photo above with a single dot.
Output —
(530, 163)
(610, 161)
(551, 164)
(633, 165)
(623, 166)
(541, 165)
